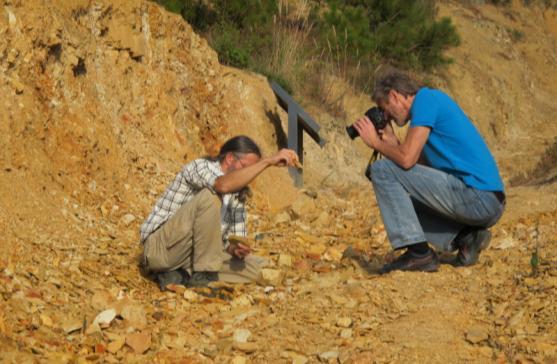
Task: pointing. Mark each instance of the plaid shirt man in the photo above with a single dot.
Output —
(196, 175)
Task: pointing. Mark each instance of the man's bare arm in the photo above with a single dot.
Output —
(405, 154)
(240, 178)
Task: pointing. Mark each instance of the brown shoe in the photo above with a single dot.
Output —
(470, 245)
(409, 261)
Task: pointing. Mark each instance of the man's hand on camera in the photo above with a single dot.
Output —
(284, 157)
(367, 132)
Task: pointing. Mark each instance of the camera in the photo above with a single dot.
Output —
(377, 117)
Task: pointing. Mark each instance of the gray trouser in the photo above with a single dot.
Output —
(425, 204)
(191, 240)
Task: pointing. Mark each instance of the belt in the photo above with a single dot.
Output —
(500, 196)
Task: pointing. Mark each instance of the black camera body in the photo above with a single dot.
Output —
(377, 117)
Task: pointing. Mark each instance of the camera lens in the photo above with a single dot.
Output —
(352, 132)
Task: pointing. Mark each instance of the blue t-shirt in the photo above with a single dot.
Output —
(454, 145)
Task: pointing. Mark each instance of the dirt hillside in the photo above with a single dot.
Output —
(103, 101)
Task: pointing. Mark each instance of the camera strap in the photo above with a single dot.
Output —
(374, 157)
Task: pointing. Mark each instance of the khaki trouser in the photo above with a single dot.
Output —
(191, 240)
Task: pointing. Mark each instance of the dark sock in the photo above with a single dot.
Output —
(419, 248)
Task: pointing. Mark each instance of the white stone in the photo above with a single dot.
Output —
(127, 219)
(328, 355)
(105, 318)
(344, 322)
(241, 335)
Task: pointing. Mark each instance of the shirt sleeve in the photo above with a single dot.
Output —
(424, 110)
(202, 173)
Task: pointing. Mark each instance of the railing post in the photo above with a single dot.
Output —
(298, 122)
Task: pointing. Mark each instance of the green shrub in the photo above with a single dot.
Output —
(403, 32)
(174, 6)
(349, 38)
(516, 35)
(271, 76)
(229, 46)
(499, 2)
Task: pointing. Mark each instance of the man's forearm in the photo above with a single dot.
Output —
(238, 179)
(406, 154)
(398, 154)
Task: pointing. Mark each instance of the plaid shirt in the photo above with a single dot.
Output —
(196, 175)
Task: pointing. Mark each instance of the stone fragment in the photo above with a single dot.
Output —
(18, 86)
(191, 296)
(101, 300)
(302, 265)
(333, 254)
(284, 260)
(135, 316)
(210, 350)
(310, 239)
(295, 357)
(346, 333)
(245, 347)
(550, 282)
(328, 355)
(316, 250)
(100, 349)
(72, 326)
(506, 243)
(12, 20)
(127, 219)
(114, 346)
(344, 322)
(477, 334)
(238, 360)
(176, 288)
(303, 206)
(272, 277)
(46, 320)
(140, 342)
(299, 359)
(241, 335)
(104, 318)
(281, 218)
(323, 219)
(241, 301)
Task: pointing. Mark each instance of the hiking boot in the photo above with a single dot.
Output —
(470, 244)
(202, 279)
(177, 276)
(410, 261)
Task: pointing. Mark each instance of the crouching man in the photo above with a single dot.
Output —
(452, 196)
(185, 238)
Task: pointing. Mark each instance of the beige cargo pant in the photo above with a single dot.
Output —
(191, 239)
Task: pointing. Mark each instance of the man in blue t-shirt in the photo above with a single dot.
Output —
(441, 185)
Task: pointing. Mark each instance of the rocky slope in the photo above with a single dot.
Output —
(103, 102)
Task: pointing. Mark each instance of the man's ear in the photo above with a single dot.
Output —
(229, 158)
(394, 96)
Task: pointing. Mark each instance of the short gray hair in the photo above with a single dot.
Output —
(393, 79)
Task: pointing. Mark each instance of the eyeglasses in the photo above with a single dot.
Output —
(239, 159)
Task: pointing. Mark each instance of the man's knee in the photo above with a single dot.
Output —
(154, 258)
(381, 168)
(208, 199)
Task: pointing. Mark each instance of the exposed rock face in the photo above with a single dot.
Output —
(96, 97)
